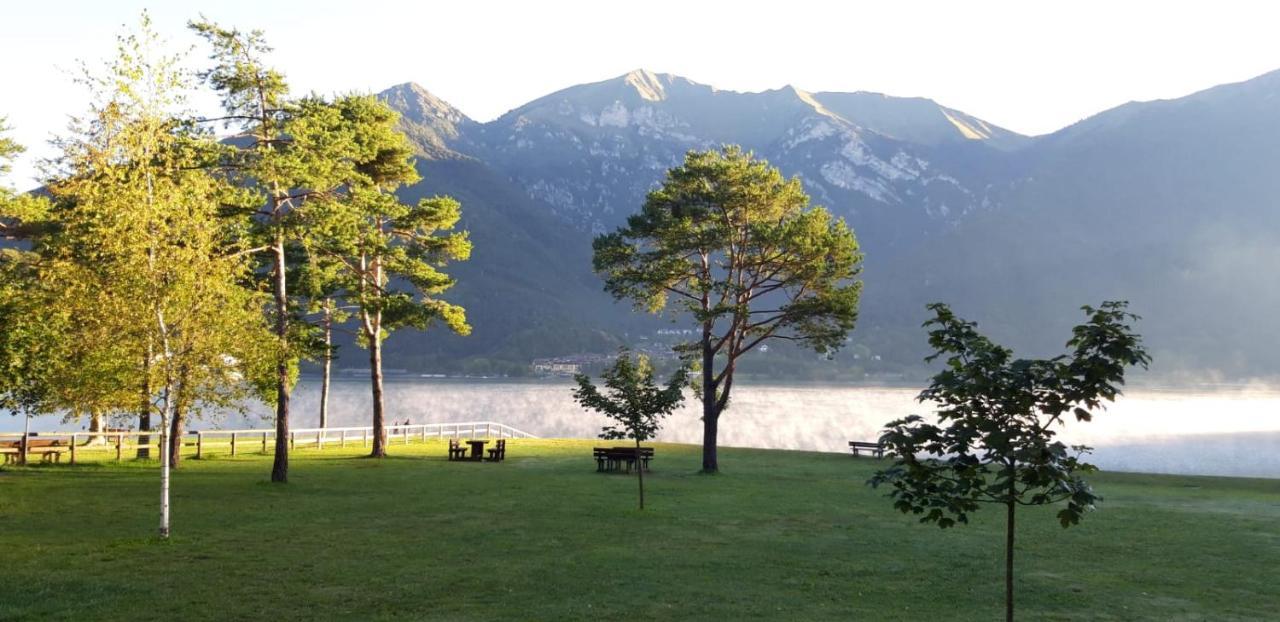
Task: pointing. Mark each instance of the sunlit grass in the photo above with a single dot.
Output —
(781, 535)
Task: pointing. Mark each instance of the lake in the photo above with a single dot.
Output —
(1218, 430)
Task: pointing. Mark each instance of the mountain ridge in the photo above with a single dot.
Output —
(1137, 201)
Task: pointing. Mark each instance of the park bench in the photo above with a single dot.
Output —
(876, 450)
(614, 458)
(50, 450)
(456, 450)
(498, 453)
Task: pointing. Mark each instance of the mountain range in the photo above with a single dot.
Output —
(1169, 204)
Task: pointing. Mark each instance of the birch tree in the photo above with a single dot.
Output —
(135, 249)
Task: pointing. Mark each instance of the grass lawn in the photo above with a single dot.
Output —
(542, 536)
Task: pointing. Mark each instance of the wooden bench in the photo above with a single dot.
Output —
(499, 452)
(456, 450)
(49, 450)
(875, 449)
(614, 458)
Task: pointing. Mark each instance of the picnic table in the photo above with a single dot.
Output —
(615, 458)
(458, 452)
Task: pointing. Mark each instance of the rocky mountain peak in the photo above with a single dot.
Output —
(433, 124)
(420, 105)
(648, 85)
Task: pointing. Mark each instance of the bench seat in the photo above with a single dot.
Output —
(876, 450)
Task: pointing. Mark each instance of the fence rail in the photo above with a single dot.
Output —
(240, 440)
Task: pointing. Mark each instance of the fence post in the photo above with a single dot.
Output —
(344, 437)
(264, 442)
(405, 432)
(293, 440)
(73, 449)
(364, 437)
(320, 439)
(119, 446)
(233, 443)
(199, 444)
(424, 432)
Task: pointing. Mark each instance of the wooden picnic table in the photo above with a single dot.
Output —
(477, 448)
(615, 458)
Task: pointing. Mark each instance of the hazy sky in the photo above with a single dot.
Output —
(1032, 67)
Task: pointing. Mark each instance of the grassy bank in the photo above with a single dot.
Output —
(779, 535)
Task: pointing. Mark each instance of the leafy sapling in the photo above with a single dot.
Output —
(994, 440)
(633, 401)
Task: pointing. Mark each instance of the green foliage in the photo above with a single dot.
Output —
(994, 440)
(632, 399)
(250, 91)
(131, 290)
(634, 402)
(288, 153)
(365, 241)
(730, 242)
(8, 150)
(369, 237)
(726, 230)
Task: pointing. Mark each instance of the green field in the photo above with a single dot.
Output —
(542, 536)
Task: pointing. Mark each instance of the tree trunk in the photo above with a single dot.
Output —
(710, 414)
(328, 365)
(164, 481)
(97, 423)
(1008, 562)
(280, 468)
(710, 427)
(375, 377)
(144, 413)
(175, 433)
(26, 440)
(640, 473)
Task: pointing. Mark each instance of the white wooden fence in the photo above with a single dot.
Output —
(235, 441)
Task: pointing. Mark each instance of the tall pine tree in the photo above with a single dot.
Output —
(373, 238)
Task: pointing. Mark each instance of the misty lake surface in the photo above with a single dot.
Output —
(1217, 430)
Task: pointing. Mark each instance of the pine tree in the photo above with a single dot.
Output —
(736, 246)
(372, 237)
(282, 154)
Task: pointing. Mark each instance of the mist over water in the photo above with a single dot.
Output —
(1231, 430)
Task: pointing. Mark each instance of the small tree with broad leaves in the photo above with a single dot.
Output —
(997, 419)
(632, 399)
